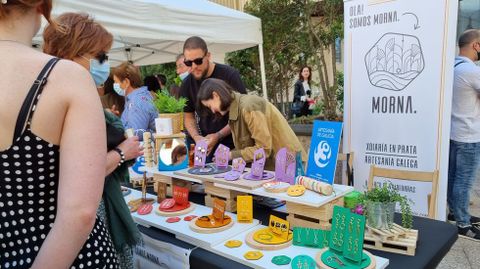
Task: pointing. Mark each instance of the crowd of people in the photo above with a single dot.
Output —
(64, 158)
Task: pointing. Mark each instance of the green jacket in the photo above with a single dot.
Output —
(123, 229)
(256, 123)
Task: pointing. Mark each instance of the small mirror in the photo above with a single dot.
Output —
(173, 151)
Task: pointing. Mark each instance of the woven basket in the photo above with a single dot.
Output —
(177, 121)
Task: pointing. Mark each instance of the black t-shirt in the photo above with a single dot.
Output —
(191, 86)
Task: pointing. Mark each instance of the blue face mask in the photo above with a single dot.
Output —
(184, 75)
(118, 89)
(99, 71)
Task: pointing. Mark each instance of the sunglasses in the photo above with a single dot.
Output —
(197, 61)
(102, 57)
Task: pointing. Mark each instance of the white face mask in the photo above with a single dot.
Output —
(184, 75)
(118, 89)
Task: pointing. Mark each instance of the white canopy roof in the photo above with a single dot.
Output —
(153, 31)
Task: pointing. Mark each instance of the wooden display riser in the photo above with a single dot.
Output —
(229, 196)
(400, 241)
(170, 181)
(137, 182)
(312, 217)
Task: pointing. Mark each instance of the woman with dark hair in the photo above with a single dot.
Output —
(302, 85)
(255, 122)
(52, 152)
(87, 43)
(152, 84)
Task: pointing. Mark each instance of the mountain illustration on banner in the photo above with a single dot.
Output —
(322, 160)
(394, 61)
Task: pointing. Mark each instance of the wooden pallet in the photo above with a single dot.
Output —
(312, 217)
(394, 233)
(404, 244)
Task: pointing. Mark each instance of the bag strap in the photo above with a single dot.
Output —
(30, 103)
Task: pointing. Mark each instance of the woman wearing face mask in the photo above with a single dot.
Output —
(86, 42)
(52, 152)
(139, 113)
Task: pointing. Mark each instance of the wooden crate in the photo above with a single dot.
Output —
(229, 196)
(404, 244)
(302, 221)
(312, 217)
(137, 182)
(171, 182)
(230, 204)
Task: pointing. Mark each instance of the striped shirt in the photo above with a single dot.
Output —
(139, 113)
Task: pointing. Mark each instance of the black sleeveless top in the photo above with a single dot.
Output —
(28, 195)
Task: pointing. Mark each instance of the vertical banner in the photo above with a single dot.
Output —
(324, 145)
(398, 84)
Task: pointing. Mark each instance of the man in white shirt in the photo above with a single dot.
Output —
(464, 158)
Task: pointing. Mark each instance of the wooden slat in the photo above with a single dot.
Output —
(405, 244)
(412, 176)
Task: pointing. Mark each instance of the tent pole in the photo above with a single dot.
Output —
(262, 71)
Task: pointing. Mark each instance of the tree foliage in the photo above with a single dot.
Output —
(167, 69)
(284, 45)
(323, 21)
(295, 33)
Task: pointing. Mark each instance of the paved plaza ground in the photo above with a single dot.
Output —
(465, 254)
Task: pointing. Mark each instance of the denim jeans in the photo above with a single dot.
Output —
(462, 171)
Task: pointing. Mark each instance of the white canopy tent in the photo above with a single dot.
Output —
(153, 31)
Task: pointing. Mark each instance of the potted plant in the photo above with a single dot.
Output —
(379, 207)
(170, 107)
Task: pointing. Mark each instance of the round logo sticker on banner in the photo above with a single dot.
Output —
(323, 152)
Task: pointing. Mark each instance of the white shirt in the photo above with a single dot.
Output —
(465, 102)
(306, 87)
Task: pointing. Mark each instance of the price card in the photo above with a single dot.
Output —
(279, 227)
(180, 195)
(245, 208)
(218, 209)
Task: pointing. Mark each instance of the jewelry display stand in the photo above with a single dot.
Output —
(322, 265)
(193, 225)
(175, 213)
(254, 244)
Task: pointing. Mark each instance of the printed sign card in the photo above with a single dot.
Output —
(245, 208)
(322, 160)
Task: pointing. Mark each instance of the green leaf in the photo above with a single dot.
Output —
(165, 103)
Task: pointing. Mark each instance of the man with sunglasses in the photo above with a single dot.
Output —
(464, 159)
(213, 128)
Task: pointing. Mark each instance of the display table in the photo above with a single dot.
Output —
(213, 244)
(435, 238)
(181, 229)
(265, 262)
(311, 210)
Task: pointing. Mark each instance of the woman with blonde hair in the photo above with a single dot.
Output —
(52, 152)
(87, 43)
